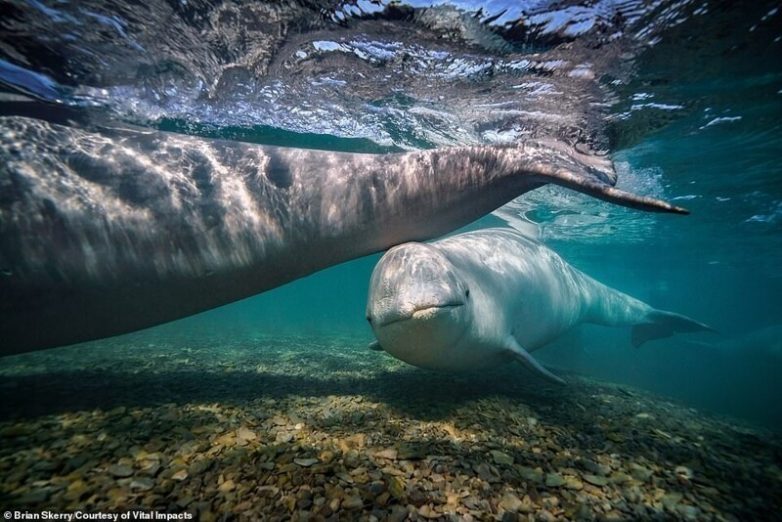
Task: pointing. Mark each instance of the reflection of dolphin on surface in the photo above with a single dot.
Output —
(486, 297)
(105, 233)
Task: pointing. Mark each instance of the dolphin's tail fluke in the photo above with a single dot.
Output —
(660, 324)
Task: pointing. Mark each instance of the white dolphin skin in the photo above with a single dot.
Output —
(482, 298)
(104, 230)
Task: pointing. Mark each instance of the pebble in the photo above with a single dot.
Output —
(596, 480)
(274, 458)
(142, 484)
(426, 511)
(388, 453)
(639, 472)
(554, 480)
(75, 490)
(227, 486)
(352, 502)
(283, 437)
(670, 500)
(120, 470)
(396, 487)
(683, 473)
(410, 452)
(529, 474)
(246, 434)
(510, 502)
(501, 458)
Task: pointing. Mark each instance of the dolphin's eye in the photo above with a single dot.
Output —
(369, 319)
(467, 293)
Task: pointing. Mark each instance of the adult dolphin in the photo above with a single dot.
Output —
(484, 298)
(108, 231)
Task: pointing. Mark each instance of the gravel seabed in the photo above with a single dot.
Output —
(320, 428)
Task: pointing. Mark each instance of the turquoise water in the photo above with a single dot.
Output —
(690, 105)
(273, 407)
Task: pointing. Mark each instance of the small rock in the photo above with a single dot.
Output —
(199, 466)
(486, 472)
(573, 483)
(179, 475)
(246, 434)
(150, 467)
(398, 514)
(640, 473)
(388, 453)
(76, 489)
(227, 486)
(595, 467)
(35, 497)
(117, 495)
(530, 474)
(501, 458)
(410, 452)
(596, 480)
(510, 502)
(688, 512)
(283, 437)
(120, 470)
(326, 456)
(306, 463)
(554, 480)
(426, 511)
(670, 500)
(620, 478)
(683, 473)
(377, 487)
(396, 487)
(142, 484)
(352, 502)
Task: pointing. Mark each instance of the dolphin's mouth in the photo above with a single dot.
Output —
(420, 312)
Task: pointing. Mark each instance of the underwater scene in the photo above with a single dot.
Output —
(328, 260)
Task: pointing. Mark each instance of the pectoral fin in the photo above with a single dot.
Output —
(523, 356)
(374, 345)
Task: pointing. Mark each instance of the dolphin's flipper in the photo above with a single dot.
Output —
(374, 345)
(591, 174)
(523, 356)
(661, 324)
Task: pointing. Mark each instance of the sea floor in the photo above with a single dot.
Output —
(314, 428)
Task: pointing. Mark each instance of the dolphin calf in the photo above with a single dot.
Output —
(105, 231)
(483, 298)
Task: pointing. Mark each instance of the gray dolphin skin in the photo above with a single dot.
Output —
(484, 298)
(106, 231)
